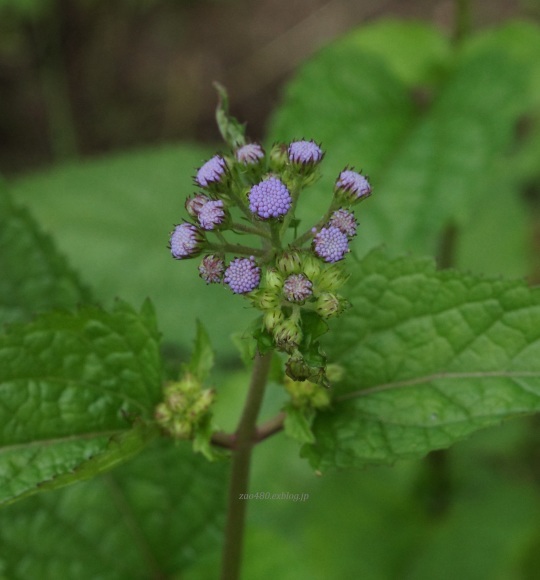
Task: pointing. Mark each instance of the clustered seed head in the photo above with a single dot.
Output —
(211, 214)
(243, 275)
(185, 241)
(331, 244)
(211, 269)
(297, 288)
(270, 199)
(354, 184)
(344, 221)
(249, 154)
(304, 152)
(211, 172)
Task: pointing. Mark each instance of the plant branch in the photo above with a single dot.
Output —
(240, 468)
(236, 249)
(270, 427)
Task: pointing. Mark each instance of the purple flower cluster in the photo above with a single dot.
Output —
(297, 288)
(185, 241)
(354, 184)
(270, 198)
(249, 154)
(304, 152)
(211, 172)
(211, 214)
(243, 275)
(344, 221)
(331, 244)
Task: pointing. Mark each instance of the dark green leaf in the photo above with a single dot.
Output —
(76, 392)
(298, 422)
(429, 357)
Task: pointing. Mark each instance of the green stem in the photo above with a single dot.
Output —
(235, 249)
(250, 230)
(245, 439)
(309, 233)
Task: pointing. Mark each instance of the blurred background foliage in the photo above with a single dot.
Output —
(107, 110)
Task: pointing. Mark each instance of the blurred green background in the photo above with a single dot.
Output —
(107, 110)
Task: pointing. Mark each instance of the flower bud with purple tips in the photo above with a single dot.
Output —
(194, 204)
(331, 244)
(186, 241)
(297, 288)
(305, 153)
(211, 215)
(344, 221)
(352, 186)
(249, 154)
(212, 172)
(211, 269)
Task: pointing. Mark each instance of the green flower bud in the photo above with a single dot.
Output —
(278, 157)
(287, 335)
(289, 263)
(311, 267)
(331, 278)
(273, 279)
(329, 305)
(265, 299)
(307, 394)
(272, 318)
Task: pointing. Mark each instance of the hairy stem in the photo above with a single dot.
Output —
(235, 249)
(250, 230)
(240, 468)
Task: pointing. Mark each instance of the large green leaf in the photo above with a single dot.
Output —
(35, 277)
(112, 218)
(150, 518)
(431, 164)
(75, 392)
(429, 357)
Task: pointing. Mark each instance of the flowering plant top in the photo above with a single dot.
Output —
(293, 280)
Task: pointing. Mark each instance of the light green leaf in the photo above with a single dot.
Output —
(202, 359)
(112, 217)
(75, 391)
(150, 518)
(34, 276)
(298, 422)
(429, 357)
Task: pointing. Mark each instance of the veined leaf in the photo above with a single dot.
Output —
(429, 357)
(150, 518)
(75, 391)
(34, 276)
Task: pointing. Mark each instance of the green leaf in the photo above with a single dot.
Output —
(429, 357)
(429, 163)
(151, 518)
(35, 277)
(202, 359)
(112, 218)
(231, 130)
(76, 391)
(298, 422)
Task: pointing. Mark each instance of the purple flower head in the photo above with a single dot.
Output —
(297, 288)
(211, 269)
(211, 214)
(305, 153)
(242, 275)
(344, 221)
(249, 154)
(354, 186)
(185, 241)
(211, 172)
(270, 198)
(195, 204)
(331, 244)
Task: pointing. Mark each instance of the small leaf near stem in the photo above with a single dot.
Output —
(231, 130)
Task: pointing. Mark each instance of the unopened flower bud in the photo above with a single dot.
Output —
(311, 267)
(242, 275)
(211, 269)
(289, 263)
(331, 278)
(249, 154)
(307, 394)
(352, 187)
(195, 204)
(278, 157)
(212, 215)
(344, 221)
(304, 154)
(271, 318)
(331, 244)
(265, 299)
(212, 172)
(329, 305)
(186, 241)
(273, 279)
(297, 288)
(287, 335)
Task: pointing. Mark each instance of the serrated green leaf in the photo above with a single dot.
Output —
(150, 518)
(72, 389)
(429, 357)
(35, 277)
(298, 422)
(202, 359)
